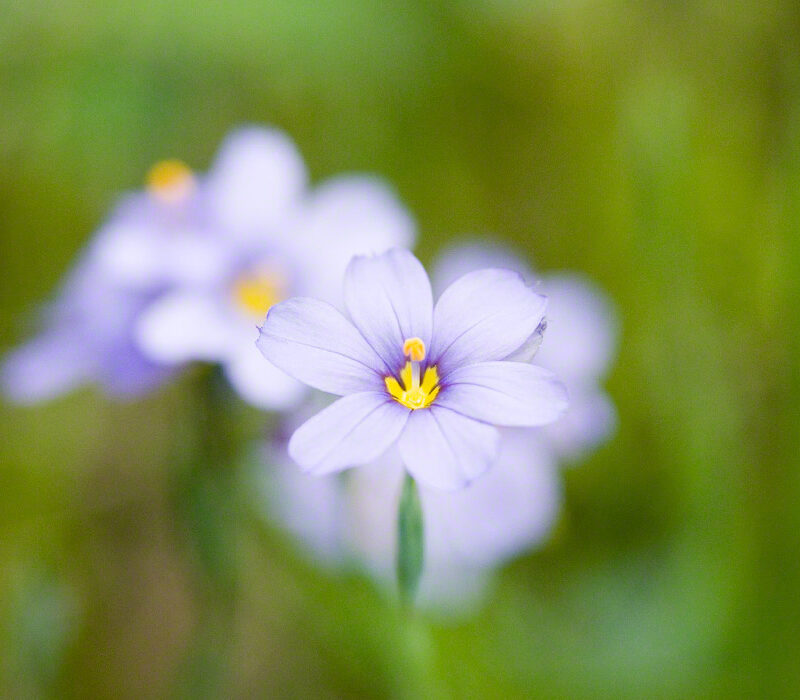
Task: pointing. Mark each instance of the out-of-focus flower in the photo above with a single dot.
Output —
(509, 510)
(86, 337)
(186, 269)
(469, 532)
(277, 240)
(352, 517)
(433, 380)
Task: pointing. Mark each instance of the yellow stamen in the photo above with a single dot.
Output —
(257, 292)
(412, 394)
(414, 349)
(170, 181)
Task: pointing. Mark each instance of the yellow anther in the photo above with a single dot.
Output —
(171, 181)
(414, 397)
(414, 349)
(257, 292)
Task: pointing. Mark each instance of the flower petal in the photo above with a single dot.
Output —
(389, 299)
(186, 326)
(446, 450)
(125, 373)
(261, 383)
(351, 431)
(590, 419)
(485, 315)
(256, 178)
(313, 342)
(343, 217)
(505, 393)
(311, 507)
(49, 365)
(506, 511)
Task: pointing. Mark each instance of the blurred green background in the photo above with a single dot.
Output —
(654, 146)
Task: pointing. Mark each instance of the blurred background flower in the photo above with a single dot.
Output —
(653, 148)
(187, 269)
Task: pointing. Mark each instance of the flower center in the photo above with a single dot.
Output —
(170, 181)
(257, 291)
(412, 393)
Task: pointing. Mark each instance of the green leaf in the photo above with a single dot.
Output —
(410, 541)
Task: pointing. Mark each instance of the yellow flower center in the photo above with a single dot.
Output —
(412, 393)
(256, 292)
(170, 181)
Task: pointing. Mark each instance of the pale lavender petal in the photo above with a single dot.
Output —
(446, 450)
(314, 343)
(352, 431)
(143, 254)
(124, 373)
(131, 253)
(389, 299)
(187, 325)
(256, 180)
(343, 217)
(259, 382)
(311, 507)
(589, 420)
(47, 366)
(505, 393)
(581, 330)
(485, 315)
(508, 510)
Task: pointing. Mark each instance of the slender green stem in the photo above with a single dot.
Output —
(410, 542)
(205, 494)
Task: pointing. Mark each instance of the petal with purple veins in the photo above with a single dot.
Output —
(352, 431)
(389, 299)
(485, 315)
(505, 393)
(314, 343)
(446, 450)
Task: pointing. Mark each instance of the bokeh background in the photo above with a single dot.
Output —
(655, 146)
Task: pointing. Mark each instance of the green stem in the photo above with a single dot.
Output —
(410, 542)
(205, 491)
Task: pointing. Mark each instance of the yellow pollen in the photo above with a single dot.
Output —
(414, 349)
(170, 181)
(257, 292)
(411, 396)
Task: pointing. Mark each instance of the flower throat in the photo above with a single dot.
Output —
(414, 393)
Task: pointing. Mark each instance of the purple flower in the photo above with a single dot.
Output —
(170, 233)
(86, 337)
(434, 380)
(509, 510)
(277, 240)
